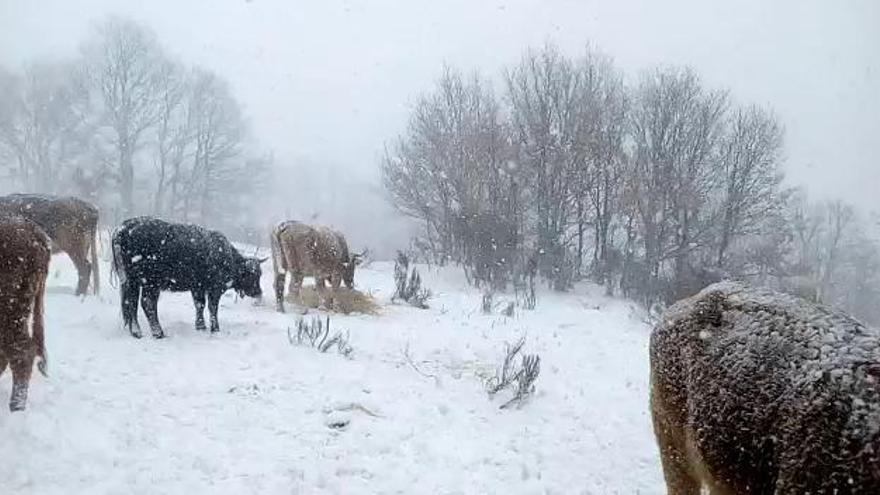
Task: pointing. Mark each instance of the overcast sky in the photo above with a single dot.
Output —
(332, 81)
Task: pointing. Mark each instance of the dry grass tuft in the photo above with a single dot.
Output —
(346, 300)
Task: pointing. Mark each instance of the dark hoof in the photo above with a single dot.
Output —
(136, 334)
(43, 367)
(159, 335)
(16, 407)
(201, 328)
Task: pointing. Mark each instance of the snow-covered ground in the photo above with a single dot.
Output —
(244, 411)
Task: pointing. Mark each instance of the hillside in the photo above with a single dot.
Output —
(244, 411)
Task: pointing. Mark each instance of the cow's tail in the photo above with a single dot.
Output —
(128, 291)
(277, 266)
(116, 260)
(275, 246)
(37, 324)
(96, 275)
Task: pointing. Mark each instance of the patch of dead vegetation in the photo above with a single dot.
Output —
(346, 301)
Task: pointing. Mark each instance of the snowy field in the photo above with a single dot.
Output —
(244, 411)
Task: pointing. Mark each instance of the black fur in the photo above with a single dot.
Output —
(152, 255)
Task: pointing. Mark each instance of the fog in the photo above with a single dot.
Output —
(325, 86)
(330, 82)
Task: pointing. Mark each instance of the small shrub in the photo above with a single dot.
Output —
(509, 310)
(525, 293)
(408, 283)
(521, 376)
(316, 333)
(487, 301)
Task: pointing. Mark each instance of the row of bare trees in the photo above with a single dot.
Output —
(654, 188)
(131, 128)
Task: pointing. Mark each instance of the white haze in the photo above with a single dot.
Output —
(326, 84)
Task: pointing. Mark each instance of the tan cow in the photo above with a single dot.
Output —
(24, 265)
(71, 223)
(758, 392)
(309, 251)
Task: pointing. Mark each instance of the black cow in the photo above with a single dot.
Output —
(152, 255)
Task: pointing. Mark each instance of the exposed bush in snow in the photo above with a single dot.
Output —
(486, 306)
(525, 293)
(509, 310)
(316, 333)
(519, 376)
(408, 283)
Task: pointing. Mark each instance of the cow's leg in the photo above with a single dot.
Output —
(296, 283)
(324, 300)
(279, 291)
(213, 305)
(335, 282)
(83, 268)
(672, 440)
(130, 294)
(22, 364)
(3, 363)
(150, 303)
(199, 302)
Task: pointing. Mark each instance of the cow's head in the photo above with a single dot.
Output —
(247, 282)
(348, 268)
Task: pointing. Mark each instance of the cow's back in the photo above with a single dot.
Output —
(24, 251)
(307, 249)
(767, 391)
(59, 217)
(169, 255)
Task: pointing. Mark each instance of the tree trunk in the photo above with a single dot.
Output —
(580, 246)
(126, 175)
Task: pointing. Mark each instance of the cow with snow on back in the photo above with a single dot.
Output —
(152, 255)
(309, 251)
(72, 226)
(24, 265)
(758, 392)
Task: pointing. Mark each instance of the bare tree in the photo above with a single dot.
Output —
(42, 127)
(675, 126)
(174, 136)
(838, 217)
(218, 131)
(451, 171)
(543, 92)
(604, 131)
(749, 175)
(124, 62)
(677, 190)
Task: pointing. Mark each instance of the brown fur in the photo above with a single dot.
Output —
(24, 265)
(757, 392)
(71, 223)
(307, 251)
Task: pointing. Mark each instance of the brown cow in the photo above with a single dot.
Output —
(71, 223)
(24, 264)
(758, 392)
(319, 252)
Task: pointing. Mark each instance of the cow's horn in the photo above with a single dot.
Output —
(263, 260)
